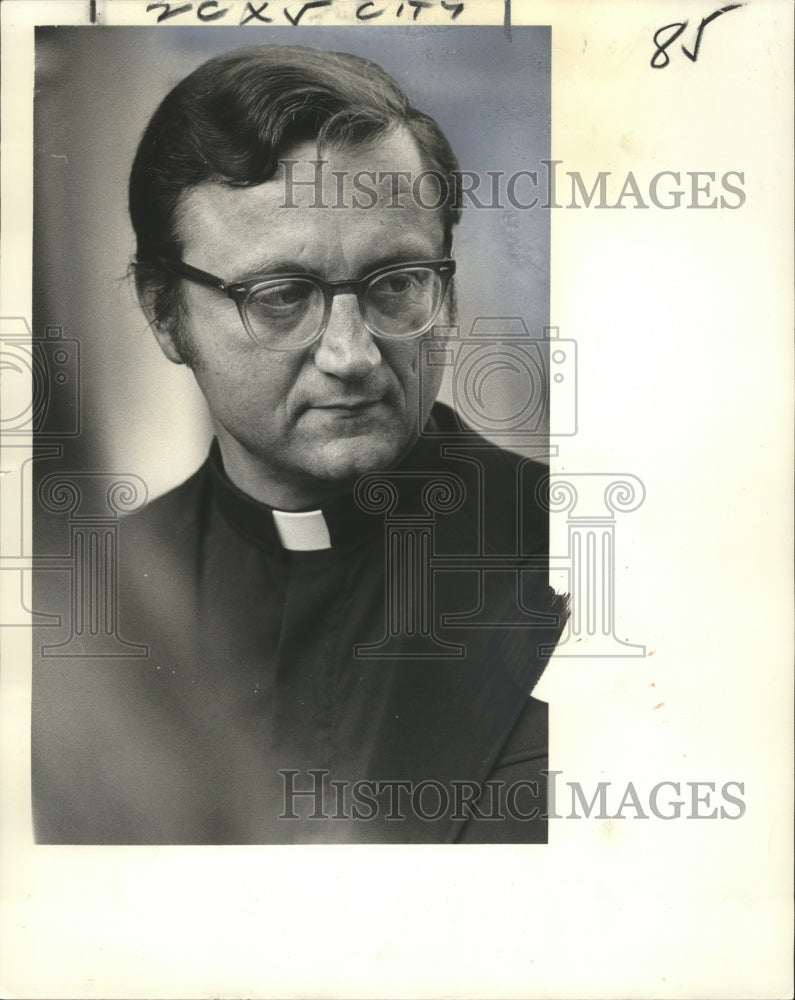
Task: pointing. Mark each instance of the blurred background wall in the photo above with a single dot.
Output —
(96, 88)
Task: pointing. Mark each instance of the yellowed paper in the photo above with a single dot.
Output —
(669, 185)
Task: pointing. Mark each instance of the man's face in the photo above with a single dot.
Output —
(295, 428)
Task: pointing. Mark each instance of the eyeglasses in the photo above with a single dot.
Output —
(284, 312)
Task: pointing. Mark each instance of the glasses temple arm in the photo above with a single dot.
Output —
(193, 273)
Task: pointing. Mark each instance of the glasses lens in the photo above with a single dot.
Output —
(283, 315)
(403, 303)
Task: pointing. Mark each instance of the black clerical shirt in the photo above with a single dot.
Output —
(376, 689)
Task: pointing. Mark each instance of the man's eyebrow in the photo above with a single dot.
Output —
(269, 267)
(398, 257)
(263, 268)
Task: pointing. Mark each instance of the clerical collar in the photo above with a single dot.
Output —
(341, 524)
(302, 531)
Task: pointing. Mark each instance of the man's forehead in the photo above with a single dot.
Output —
(370, 193)
(386, 163)
(311, 175)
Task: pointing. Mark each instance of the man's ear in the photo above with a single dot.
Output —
(167, 341)
(163, 329)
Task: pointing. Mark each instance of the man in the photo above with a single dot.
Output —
(309, 677)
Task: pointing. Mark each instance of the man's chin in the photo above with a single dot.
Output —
(343, 461)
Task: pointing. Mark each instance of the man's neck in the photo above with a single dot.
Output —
(281, 493)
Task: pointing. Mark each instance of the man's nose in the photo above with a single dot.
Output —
(347, 348)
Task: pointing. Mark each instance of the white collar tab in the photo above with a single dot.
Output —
(305, 531)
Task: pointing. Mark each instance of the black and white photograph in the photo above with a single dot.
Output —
(330, 631)
(395, 583)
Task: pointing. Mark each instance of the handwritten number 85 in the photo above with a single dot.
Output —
(660, 59)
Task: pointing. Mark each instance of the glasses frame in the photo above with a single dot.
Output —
(241, 291)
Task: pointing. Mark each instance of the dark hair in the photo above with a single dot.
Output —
(233, 118)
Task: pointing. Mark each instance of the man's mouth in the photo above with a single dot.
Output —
(351, 406)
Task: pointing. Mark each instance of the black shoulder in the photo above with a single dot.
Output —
(162, 543)
(173, 515)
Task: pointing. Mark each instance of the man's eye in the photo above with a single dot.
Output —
(399, 283)
(282, 298)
